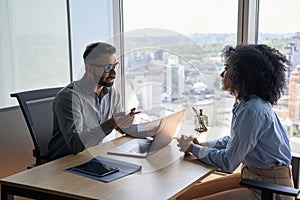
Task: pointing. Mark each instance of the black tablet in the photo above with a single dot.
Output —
(96, 169)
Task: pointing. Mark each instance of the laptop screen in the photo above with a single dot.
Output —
(167, 128)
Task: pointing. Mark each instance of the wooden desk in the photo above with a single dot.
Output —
(164, 175)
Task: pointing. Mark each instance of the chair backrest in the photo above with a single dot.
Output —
(296, 168)
(36, 106)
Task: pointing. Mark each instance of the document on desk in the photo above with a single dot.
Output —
(124, 169)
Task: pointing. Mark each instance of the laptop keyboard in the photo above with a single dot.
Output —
(142, 147)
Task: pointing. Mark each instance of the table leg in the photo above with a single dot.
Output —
(4, 193)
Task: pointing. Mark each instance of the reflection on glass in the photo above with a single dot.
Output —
(173, 59)
(284, 35)
(34, 46)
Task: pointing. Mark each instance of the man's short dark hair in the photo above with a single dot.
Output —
(94, 50)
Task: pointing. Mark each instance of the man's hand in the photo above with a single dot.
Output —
(185, 143)
(122, 120)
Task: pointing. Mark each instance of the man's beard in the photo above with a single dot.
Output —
(102, 82)
(105, 84)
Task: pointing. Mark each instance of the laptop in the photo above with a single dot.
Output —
(142, 147)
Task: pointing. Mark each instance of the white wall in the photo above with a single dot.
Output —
(15, 142)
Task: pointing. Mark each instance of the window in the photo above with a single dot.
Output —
(282, 31)
(172, 57)
(90, 21)
(34, 46)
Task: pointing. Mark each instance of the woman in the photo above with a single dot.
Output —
(255, 75)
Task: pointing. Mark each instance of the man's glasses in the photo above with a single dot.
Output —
(109, 67)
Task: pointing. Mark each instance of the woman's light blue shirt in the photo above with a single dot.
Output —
(257, 139)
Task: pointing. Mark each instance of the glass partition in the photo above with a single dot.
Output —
(34, 51)
(172, 58)
(282, 31)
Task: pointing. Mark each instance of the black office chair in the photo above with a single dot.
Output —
(36, 106)
(268, 189)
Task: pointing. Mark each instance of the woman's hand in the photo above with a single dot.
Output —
(185, 143)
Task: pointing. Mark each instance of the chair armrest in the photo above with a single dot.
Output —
(274, 188)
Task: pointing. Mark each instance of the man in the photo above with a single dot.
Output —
(87, 110)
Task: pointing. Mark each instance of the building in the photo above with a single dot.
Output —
(174, 77)
(294, 95)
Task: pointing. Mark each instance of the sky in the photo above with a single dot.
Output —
(279, 16)
(213, 16)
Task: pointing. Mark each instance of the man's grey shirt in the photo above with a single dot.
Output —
(80, 117)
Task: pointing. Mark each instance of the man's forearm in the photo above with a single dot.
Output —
(108, 126)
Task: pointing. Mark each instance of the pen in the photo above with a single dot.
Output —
(133, 113)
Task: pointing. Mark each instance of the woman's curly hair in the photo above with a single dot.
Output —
(256, 69)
